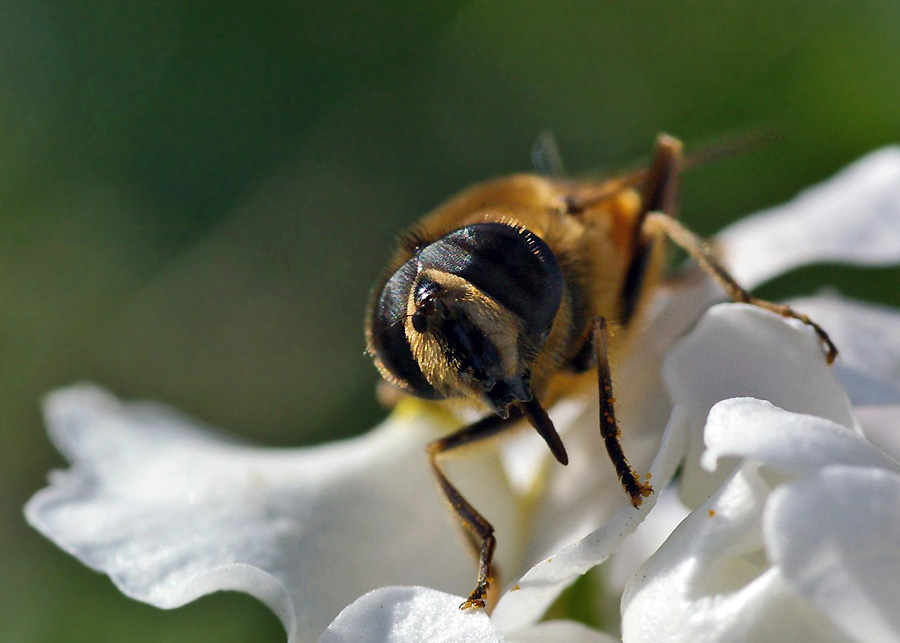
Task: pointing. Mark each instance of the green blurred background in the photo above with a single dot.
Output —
(196, 196)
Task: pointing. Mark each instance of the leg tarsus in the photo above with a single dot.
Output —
(476, 598)
(831, 351)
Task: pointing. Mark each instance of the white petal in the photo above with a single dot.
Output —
(835, 536)
(868, 338)
(418, 614)
(881, 425)
(853, 217)
(647, 538)
(713, 579)
(527, 601)
(560, 632)
(742, 351)
(710, 581)
(171, 511)
(410, 615)
(790, 443)
(738, 350)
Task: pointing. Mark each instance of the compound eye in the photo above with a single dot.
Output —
(419, 322)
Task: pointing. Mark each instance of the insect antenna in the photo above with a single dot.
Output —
(706, 154)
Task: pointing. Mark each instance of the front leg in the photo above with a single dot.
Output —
(609, 428)
(478, 529)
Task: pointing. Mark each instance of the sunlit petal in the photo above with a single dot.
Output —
(418, 614)
(410, 615)
(881, 425)
(668, 513)
(853, 217)
(722, 576)
(172, 511)
(742, 351)
(787, 442)
(834, 536)
(560, 632)
(710, 581)
(868, 337)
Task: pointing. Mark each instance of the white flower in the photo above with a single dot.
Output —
(797, 515)
(342, 540)
(799, 544)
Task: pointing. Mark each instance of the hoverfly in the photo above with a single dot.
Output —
(504, 292)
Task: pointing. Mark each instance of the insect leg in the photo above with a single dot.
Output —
(609, 429)
(663, 177)
(706, 257)
(479, 530)
(660, 195)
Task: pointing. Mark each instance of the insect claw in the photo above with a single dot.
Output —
(476, 598)
(641, 491)
(472, 604)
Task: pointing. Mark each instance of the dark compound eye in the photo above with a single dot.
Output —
(389, 339)
(513, 266)
(419, 322)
